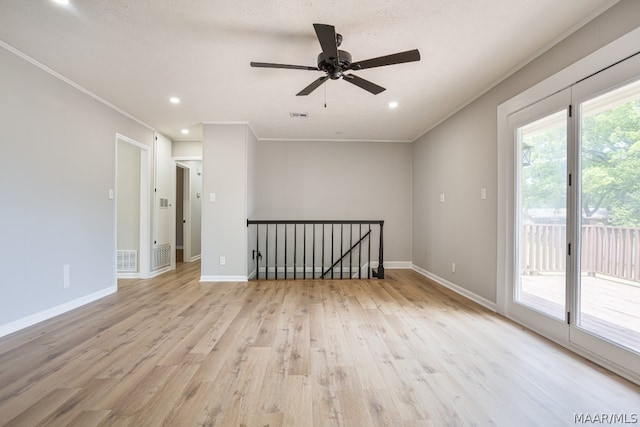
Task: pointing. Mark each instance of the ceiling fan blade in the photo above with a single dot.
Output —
(313, 86)
(396, 58)
(364, 84)
(327, 38)
(291, 67)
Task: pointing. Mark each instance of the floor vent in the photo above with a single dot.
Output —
(161, 257)
(128, 261)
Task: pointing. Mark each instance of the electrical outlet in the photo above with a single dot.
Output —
(483, 193)
(453, 267)
(441, 197)
(223, 260)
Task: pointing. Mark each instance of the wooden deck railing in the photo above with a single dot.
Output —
(607, 250)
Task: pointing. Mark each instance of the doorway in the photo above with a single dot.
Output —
(132, 233)
(576, 217)
(183, 214)
(188, 227)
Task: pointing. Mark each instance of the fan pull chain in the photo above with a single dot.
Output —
(325, 96)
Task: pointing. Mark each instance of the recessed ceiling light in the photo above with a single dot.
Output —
(185, 131)
(174, 100)
(62, 2)
(393, 104)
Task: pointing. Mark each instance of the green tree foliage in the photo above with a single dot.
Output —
(611, 163)
(544, 180)
(610, 148)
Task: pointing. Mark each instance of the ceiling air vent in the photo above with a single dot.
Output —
(299, 115)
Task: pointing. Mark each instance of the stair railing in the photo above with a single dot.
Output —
(315, 249)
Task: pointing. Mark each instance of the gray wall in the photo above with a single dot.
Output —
(339, 180)
(224, 229)
(459, 157)
(58, 164)
(252, 195)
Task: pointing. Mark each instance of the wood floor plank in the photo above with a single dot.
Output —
(89, 419)
(245, 388)
(39, 411)
(352, 397)
(395, 352)
(326, 409)
(381, 409)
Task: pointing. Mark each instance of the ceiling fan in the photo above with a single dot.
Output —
(336, 62)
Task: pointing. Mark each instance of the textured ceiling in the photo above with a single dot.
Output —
(137, 54)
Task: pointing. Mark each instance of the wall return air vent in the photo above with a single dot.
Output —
(127, 261)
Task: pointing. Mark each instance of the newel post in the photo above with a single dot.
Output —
(381, 254)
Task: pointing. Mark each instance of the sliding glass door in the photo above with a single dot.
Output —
(540, 284)
(607, 320)
(576, 217)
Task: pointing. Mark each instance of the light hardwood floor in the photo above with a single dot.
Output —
(396, 352)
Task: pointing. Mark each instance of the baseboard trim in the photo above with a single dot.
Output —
(156, 273)
(394, 265)
(129, 276)
(388, 265)
(224, 279)
(455, 288)
(195, 258)
(31, 320)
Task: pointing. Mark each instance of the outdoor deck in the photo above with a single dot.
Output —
(610, 308)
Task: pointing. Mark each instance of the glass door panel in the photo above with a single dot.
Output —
(542, 214)
(608, 295)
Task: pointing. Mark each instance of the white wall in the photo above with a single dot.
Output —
(459, 157)
(336, 181)
(128, 197)
(186, 150)
(58, 165)
(164, 228)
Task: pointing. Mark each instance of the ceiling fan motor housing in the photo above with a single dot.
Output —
(334, 68)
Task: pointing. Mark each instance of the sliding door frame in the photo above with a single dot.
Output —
(556, 329)
(606, 81)
(611, 54)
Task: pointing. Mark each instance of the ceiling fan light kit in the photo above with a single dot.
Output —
(334, 62)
